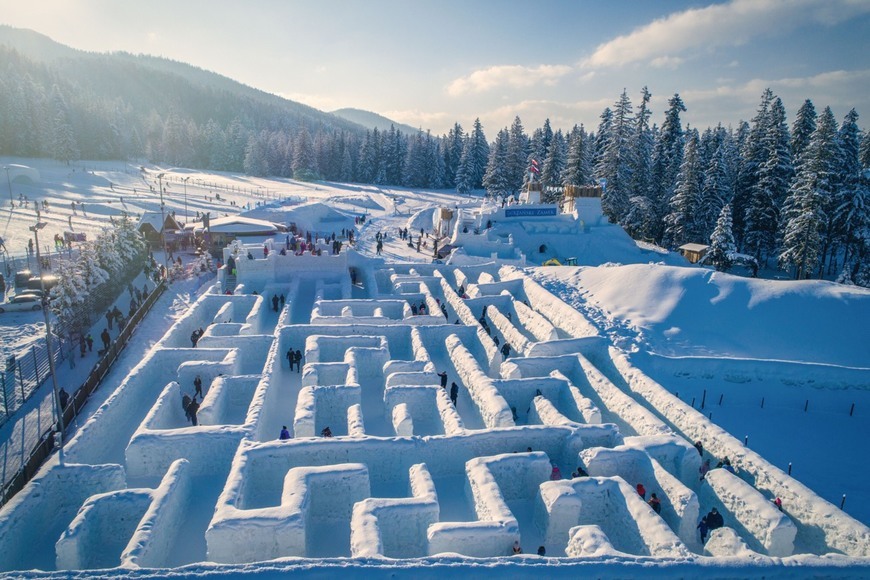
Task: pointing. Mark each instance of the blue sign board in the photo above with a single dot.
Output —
(530, 211)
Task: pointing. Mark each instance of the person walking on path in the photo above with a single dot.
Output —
(443, 377)
(714, 520)
(641, 490)
(107, 340)
(197, 384)
(703, 529)
(285, 434)
(185, 404)
(291, 357)
(454, 393)
(109, 318)
(298, 358)
(90, 340)
(506, 349)
(655, 503)
(275, 301)
(192, 409)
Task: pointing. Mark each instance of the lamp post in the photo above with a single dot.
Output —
(163, 226)
(184, 181)
(35, 229)
(9, 183)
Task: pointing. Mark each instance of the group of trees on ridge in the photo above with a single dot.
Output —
(794, 196)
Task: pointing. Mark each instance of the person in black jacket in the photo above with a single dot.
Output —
(714, 520)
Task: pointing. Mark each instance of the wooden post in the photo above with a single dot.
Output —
(722, 396)
(704, 399)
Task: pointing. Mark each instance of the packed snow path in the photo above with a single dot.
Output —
(407, 471)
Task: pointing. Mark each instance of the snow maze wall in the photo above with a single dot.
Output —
(415, 468)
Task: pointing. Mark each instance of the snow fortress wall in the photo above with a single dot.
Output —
(821, 526)
(766, 529)
(610, 503)
(679, 504)
(129, 527)
(325, 493)
(40, 513)
(396, 528)
(560, 314)
(491, 483)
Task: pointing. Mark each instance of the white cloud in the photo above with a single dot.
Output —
(515, 76)
(666, 62)
(728, 24)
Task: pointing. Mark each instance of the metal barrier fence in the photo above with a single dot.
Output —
(45, 446)
(23, 374)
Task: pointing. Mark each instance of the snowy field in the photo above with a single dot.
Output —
(609, 364)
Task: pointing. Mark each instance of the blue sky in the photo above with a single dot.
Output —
(431, 63)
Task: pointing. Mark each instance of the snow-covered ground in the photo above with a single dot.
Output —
(607, 379)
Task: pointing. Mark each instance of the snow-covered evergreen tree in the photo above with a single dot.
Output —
(578, 168)
(802, 129)
(68, 297)
(452, 153)
(754, 155)
(615, 162)
(88, 263)
(680, 223)
(517, 156)
(496, 179)
(472, 164)
(805, 218)
(716, 192)
(722, 246)
(304, 158)
(851, 205)
(63, 141)
(554, 164)
(642, 148)
(602, 138)
(773, 176)
(666, 162)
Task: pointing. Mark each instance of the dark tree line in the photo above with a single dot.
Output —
(795, 196)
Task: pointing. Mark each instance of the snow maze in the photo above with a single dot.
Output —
(406, 473)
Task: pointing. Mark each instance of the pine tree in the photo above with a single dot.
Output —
(615, 163)
(68, 297)
(304, 158)
(864, 151)
(666, 162)
(63, 145)
(452, 153)
(475, 156)
(802, 129)
(754, 156)
(804, 226)
(722, 246)
(681, 226)
(772, 181)
(642, 148)
(716, 192)
(496, 179)
(850, 207)
(551, 170)
(602, 138)
(517, 156)
(578, 169)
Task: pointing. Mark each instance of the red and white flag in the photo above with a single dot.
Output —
(534, 166)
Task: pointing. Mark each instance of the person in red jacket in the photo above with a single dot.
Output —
(641, 490)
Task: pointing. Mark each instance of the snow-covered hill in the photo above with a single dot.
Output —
(698, 312)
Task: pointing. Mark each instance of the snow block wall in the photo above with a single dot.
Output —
(763, 526)
(396, 528)
(629, 523)
(402, 454)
